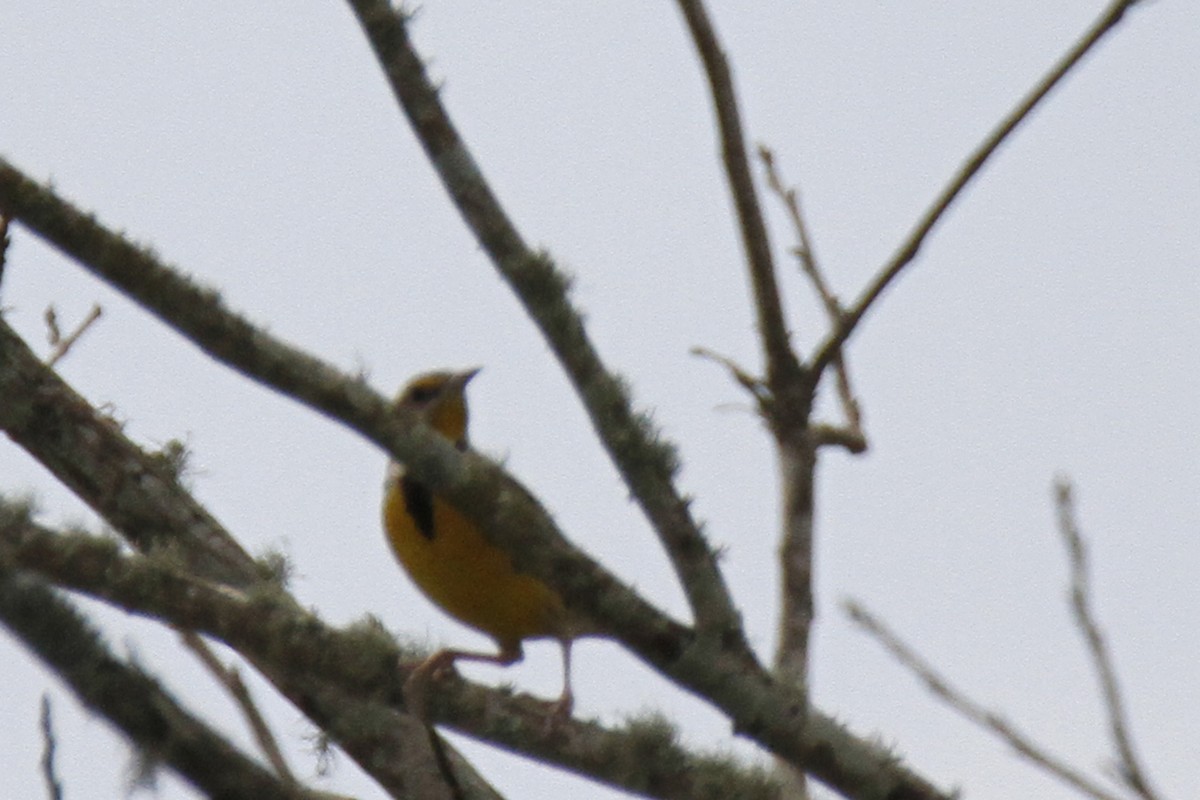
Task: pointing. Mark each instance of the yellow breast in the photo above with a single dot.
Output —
(448, 558)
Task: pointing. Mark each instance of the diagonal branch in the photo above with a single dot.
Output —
(912, 244)
(230, 678)
(985, 718)
(55, 631)
(130, 488)
(1130, 768)
(772, 326)
(356, 669)
(646, 462)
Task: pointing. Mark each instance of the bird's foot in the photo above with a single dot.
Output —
(437, 667)
(560, 712)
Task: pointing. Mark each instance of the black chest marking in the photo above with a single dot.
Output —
(418, 502)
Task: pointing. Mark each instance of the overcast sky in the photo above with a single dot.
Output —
(1050, 326)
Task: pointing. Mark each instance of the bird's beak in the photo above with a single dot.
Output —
(461, 379)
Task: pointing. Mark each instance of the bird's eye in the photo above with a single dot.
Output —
(422, 394)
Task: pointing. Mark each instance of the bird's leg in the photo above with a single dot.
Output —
(441, 664)
(560, 711)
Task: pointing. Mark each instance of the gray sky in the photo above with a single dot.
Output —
(1049, 326)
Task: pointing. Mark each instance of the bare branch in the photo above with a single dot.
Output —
(788, 405)
(60, 636)
(852, 437)
(782, 363)
(1129, 767)
(804, 250)
(54, 789)
(845, 437)
(1108, 20)
(63, 344)
(797, 466)
(986, 719)
(751, 384)
(130, 488)
(229, 677)
(647, 463)
(5, 241)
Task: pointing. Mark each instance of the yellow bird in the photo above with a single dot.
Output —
(448, 558)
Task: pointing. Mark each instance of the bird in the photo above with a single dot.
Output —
(452, 563)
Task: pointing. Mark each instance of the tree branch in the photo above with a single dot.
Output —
(647, 463)
(63, 344)
(133, 701)
(1129, 766)
(788, 403)
(851, 437)
(356, 670)
(229, 677)
(269, 628)
(990, 721)
(354, 673)
(826, 351)
(134, 491)
(782, 363)
(54, 789)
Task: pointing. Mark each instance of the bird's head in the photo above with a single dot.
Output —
(439, 398)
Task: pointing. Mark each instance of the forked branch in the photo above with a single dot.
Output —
(772, 325)
(909, 248)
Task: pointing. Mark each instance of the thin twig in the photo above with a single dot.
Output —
(782, 362)
(231, 679)
(63, 344)
(843, 436)
(751, 384)
(4, 242)
(56, 632)
(1128, 766)
(852, 438)
(826, 351)
(54, 787)
(804, 249)
(988, 720)
(53, 334)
